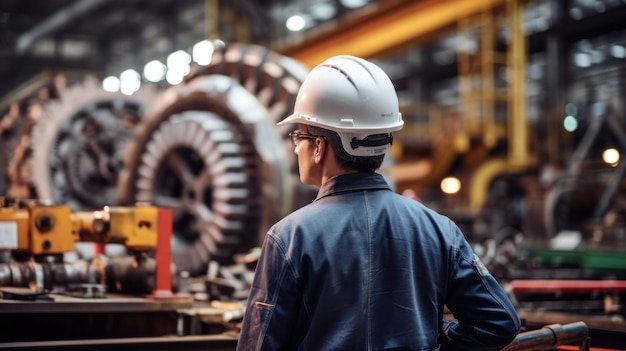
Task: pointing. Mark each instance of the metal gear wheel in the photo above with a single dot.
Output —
(9, 134)
(16, 125)
(206, 175)
(79, 141)
(274, 80)
(196, 156)
(249, 89)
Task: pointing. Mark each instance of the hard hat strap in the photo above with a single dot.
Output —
(369, 141)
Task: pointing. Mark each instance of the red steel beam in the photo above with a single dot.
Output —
(566, 286)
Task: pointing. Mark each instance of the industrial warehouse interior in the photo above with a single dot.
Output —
(141, 165)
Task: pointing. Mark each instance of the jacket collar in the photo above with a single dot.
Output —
(352, 182)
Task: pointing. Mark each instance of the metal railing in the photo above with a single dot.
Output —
(551, 336)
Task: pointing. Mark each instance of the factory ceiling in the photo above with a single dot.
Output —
(107, 36)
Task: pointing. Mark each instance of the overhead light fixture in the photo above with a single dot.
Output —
(179, 60)
(450, 185)
(611, 156)
(111, 84)
(130, 81)
(202, 52)
(571, 109)
(178, 65)
(295, 23)
(323, 10)
(353, 4)
(154, 71)
(618, 51)
(570, 123)
(576, 13)
(582, 59)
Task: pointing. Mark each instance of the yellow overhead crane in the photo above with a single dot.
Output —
(386, 27)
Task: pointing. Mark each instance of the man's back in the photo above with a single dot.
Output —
(367, 269)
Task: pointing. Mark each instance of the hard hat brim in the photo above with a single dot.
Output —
(293, 118)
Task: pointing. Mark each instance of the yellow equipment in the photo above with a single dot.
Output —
(37, 235)
(36, 228)
(134, 227)
(40, 229)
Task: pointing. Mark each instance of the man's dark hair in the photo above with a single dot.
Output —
(363, 164)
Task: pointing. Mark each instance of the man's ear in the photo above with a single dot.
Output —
(320, 150)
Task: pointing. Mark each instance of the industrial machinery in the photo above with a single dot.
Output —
(16, 125)
(37, 236)
(207, 148)
(48, 297)
(209, 151)
(80, 294)
(509, 115)
(63, 141)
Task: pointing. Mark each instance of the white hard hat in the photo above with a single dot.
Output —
(352, 97)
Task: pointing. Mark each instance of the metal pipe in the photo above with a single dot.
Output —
(550, 336)
(517, 124)
(120, 274)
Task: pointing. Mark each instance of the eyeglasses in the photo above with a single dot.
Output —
(297, 136)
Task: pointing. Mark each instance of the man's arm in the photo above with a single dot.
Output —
(486, 318)
(273, 302)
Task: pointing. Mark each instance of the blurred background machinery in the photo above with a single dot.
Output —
(207, 148)
(211, 150)
(38, 236)
(513, 109)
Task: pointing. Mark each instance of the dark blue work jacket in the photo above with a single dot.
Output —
(364, 268)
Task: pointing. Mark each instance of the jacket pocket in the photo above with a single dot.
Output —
(263, 305)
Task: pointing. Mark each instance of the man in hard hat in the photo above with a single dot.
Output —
(362, 267)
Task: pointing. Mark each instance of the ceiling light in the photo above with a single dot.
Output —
(179, 61)
(450, 185)
(610, 156)
(203, 52)
(130, 81)
(571, 109)
(111, 84)
(570, 124)
(154, 71)
(295, 23)
(576, 13)
(323, 11)
(618, 51)
(353, 4)
(582, 59)
(173, 77)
